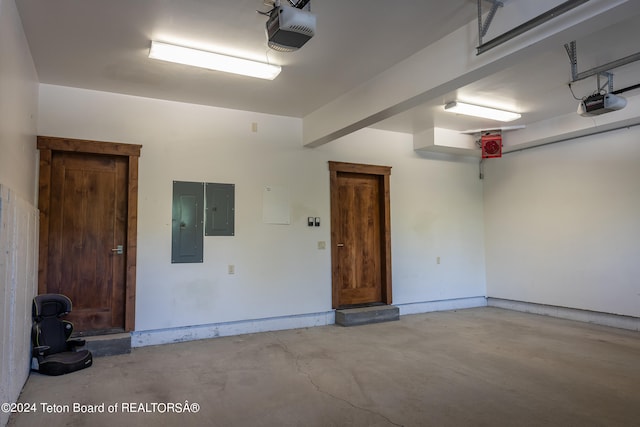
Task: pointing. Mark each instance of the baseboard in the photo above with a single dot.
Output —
(596, 317)
(200, 332)
(442, 305)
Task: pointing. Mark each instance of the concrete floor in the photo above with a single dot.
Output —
(476, 367)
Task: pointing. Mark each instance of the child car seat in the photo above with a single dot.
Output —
(53, 352)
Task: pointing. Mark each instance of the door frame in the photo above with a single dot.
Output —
(46, 146)
(382, 173)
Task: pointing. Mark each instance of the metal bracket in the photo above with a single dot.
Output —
(572, 51)
(483, 27)
(604, 69)
(523, 28)
(608, 82)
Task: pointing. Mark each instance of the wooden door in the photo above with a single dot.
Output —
(85, 231)
(361, 260)
(87, 220)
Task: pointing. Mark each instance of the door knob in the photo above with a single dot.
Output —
(340, 245)
(118, 250)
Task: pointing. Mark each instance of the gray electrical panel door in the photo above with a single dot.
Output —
(220, 201)
(187, 222)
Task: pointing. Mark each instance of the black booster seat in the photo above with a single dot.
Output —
(53, 352)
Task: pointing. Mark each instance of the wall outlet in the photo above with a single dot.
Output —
(232, 269)
(322, 245)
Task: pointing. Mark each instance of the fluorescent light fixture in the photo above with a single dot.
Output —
(478, 111)
(213, 61)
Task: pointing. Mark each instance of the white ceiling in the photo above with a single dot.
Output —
(103, 45)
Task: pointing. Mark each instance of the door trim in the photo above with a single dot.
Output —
(46, 146)
(383, 173)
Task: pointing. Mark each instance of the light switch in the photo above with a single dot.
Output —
(317, 221)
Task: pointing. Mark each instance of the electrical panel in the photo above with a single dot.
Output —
(187, 222)
(220, 209)
(199, 209)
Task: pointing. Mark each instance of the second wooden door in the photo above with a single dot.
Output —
(360, 235)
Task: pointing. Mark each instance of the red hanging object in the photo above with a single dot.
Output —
(491, 144)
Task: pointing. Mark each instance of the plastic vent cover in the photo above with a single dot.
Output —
(302, 29)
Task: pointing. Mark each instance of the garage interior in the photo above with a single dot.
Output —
(244, 215)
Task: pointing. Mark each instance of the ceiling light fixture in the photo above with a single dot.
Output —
(213, 61)
(478, 111)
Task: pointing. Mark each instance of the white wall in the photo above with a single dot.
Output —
(562, 224)
(18, 217)
(436, 211)
(436, 208)
(18, 106)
